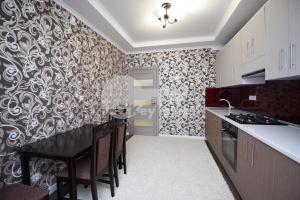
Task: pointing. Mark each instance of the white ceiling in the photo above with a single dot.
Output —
(132, 27)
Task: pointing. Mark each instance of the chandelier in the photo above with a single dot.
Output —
(165, 19)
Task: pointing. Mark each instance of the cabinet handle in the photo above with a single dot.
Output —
(292, 57)
(252, 46)
(281, 59)
(246, 154)
(247, 48)
(252, 155)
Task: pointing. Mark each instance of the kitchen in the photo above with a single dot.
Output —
(102, 99)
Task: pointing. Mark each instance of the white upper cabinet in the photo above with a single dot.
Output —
(254, 43)
(294, 27)
(228, 64)
(245, 53)
(283, 39)
(277, 26)
(235, 57)
(270, 41)
(221, 66)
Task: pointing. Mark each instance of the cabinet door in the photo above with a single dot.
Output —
(242, 164)
(209, 128)
(213, 132)
(220, 62)
(254, 43)
(258, 35)
(224, 69)
(235, 57)
(294, 10)
(261, 159)
(255, 168)
(225, 66)
(277, 34)
(287, 179)
(246, 46)
(229, 63)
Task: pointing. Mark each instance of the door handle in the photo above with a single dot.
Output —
(153, 100)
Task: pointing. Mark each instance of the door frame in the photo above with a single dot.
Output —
(130, 89)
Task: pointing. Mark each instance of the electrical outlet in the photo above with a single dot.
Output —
(252, 97)
(81, 98)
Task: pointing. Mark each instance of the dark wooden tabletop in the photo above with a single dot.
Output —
(63, 145)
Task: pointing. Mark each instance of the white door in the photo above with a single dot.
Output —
(143, 89)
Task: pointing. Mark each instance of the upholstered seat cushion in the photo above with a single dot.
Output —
(23, 192)
(83, 167)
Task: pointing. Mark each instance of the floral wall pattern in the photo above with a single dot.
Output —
(183, 77)
(53, 77)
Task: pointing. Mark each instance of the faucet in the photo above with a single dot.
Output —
(229, 105)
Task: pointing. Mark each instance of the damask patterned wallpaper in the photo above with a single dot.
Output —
(53, 77)
(183, 78)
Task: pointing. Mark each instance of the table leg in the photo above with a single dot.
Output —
(25, 168)
(72, 179)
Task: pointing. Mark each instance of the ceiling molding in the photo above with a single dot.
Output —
(213, 47)
(231, 8)
(100, 8)
(86, 22)
(187, 40)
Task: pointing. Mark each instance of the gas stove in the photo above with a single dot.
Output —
(253, 119)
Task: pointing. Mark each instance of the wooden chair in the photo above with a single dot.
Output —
(119, 158)
(94, 165)
(23, 192)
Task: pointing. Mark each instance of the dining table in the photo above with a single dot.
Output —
(67, 146)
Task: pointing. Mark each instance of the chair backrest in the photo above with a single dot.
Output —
(120, 126)
(119, 111)
(102, 149)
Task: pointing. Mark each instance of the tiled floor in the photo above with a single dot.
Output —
(165, 168)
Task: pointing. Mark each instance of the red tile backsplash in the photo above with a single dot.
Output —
(278, 99)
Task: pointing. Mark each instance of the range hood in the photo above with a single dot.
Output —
(254, 78)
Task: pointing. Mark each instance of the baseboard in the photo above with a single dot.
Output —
(185, 137)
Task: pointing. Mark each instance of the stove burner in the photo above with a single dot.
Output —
(253, 119)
